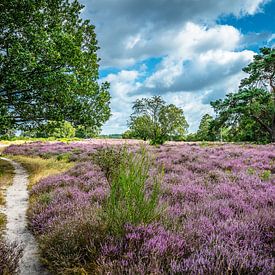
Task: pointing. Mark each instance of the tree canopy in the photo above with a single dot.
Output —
(49, 66)
(252, 107)
(204, 132)
(152, 119)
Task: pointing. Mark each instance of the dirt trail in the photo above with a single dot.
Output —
(15, 210)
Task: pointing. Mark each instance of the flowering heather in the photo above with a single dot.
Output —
(74, 151)
(9, 257)
(217, 213)
(63, 196)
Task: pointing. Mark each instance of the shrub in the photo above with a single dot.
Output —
(69, 246)
(129, 201)
(265, 175)
(10, 255)
(145, 249)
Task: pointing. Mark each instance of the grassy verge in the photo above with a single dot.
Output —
(6, 176)
(39, 168)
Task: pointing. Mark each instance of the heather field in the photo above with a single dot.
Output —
(174, 209)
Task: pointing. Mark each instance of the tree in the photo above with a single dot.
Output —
(128, 134)
(56, 129)
(142, 127)
(49, 66)
(154, 120)
(255, 100)
(204, 131)
(87, 132)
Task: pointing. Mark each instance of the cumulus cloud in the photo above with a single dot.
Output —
(137, 29)
(199, 60)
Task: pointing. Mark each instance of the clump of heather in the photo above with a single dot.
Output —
(144, 249)
(65, 217)
(75, 244)
(63, 196)
(10, 254)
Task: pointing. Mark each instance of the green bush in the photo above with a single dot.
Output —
(129, 200)
(265, 175)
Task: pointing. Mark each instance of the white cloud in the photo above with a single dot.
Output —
(200, 60)
(129, 31)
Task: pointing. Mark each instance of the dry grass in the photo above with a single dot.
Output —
(39, 168)
(6, 176)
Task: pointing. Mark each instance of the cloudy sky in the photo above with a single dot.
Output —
(188, 51)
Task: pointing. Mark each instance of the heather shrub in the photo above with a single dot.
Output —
(129, 201)
(109, 159)
(69, 246)
(10, 255)
(144, 249)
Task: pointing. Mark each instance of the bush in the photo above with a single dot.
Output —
(129, 201)
(145, 249)
(10, 255)
(71, 245)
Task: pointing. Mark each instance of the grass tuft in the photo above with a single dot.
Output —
(39, 168)
(129, 201)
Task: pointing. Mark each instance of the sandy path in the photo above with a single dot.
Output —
(15, 210)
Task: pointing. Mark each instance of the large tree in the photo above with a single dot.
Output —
(156, 121)
(255, 100)
(204, 132)
(49, 66)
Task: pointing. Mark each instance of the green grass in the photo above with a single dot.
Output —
(129, 202)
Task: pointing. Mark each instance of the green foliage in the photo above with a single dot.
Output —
(129, 201)
(86, 132)
(247, 113)
(250, 112)
(128, 134)
(49, 66)
(204, 132)
(56, 129)
(251, 171)
(265, 175)
(191, 137)
(65, 156)
(154, 120)
(109, 159)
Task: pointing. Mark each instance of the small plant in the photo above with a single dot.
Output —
(251, 171)
(3, 221)
(129, 202)
(109, 159)
(265, 175)
(71, 245)
(65, 156)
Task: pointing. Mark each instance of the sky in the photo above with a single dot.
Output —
(190, 52)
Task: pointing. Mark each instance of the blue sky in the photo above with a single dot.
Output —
(188, 51)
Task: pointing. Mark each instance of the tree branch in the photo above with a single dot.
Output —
(262, 123)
